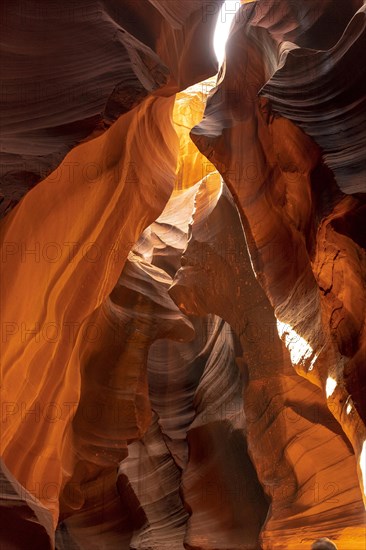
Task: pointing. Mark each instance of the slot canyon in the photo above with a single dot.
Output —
(183, 267)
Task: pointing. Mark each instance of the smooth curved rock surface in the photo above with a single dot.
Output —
(22, 516)
(68, 72)
(323, 91)
(68, 239)
(87, 253)
(183, 310)
(306, 485)
(285, 191)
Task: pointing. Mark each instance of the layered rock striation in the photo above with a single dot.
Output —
(183, 276)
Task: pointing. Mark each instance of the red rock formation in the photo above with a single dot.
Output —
(197, 398)
(23, 518)
(65, 244)
(306, 485)
(114, 407)
(183, 369)
(288, 196)
(68, 72)
(188, 111)
(74, 265)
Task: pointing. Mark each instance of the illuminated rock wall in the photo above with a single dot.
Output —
(183, 277)
(302, 230)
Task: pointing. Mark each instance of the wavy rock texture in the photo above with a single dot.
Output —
(65, 244)
(188, 111)
(220, 485)
(183, 311)
(309, 475)
(114, 407)
(86, 253)
(287, 197)
(69, 72)
(322, 88)
(22, 516)
(195, 390)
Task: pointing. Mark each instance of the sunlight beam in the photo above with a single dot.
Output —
(224, 21)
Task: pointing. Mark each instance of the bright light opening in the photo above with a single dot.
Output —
(330, 386)
(298, 347)
(224, 20)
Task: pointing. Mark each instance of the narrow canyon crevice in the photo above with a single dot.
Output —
(183, 304)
